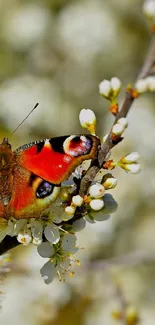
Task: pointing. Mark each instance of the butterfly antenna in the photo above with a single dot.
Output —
(36, 105)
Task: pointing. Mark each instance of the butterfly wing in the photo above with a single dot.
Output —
(55, 159)
(40, 167)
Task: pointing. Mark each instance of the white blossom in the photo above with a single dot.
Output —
(105, 88)
(96, 204)
(77, 200)
(60, 260)
(118, 129)
(24, 237)
(97, 190)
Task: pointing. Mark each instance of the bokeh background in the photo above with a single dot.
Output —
(56, 52)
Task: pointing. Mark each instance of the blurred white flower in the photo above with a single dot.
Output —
(142, 85)
(151, 83)
(149, 8)
(96, 191)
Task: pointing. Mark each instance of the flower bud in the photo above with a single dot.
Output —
(130, 158)
(116, 85)
(132, 168)
(105, 88)
(77, 200)
(88, 120)
(110, 183)
(123, 121)
(142, 85)
(118, 129)
(96, 204)
(151, 83)
(149, 9)
(70, 210)
(97, 190)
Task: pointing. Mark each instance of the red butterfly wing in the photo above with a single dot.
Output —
(55, 159)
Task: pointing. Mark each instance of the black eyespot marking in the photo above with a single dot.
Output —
(76, 139)
(57, 143)
(44, 189)
(40, 146)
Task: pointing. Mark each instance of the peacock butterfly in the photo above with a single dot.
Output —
(30, 177)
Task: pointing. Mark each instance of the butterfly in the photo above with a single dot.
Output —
(31, 176)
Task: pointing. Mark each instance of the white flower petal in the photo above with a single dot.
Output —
(78, 225)
(110, 205)
(37, 229)
(68, 242)
(48, 272)
(131, 157)
(45, 249)
(52, 234)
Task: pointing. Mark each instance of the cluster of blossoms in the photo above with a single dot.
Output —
(55, 233)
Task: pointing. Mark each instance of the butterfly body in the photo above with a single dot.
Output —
(30, 177)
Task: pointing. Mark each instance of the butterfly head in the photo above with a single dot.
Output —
(5, 143)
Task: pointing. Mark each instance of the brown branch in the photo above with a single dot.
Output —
(10, 242)
(128, 101)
